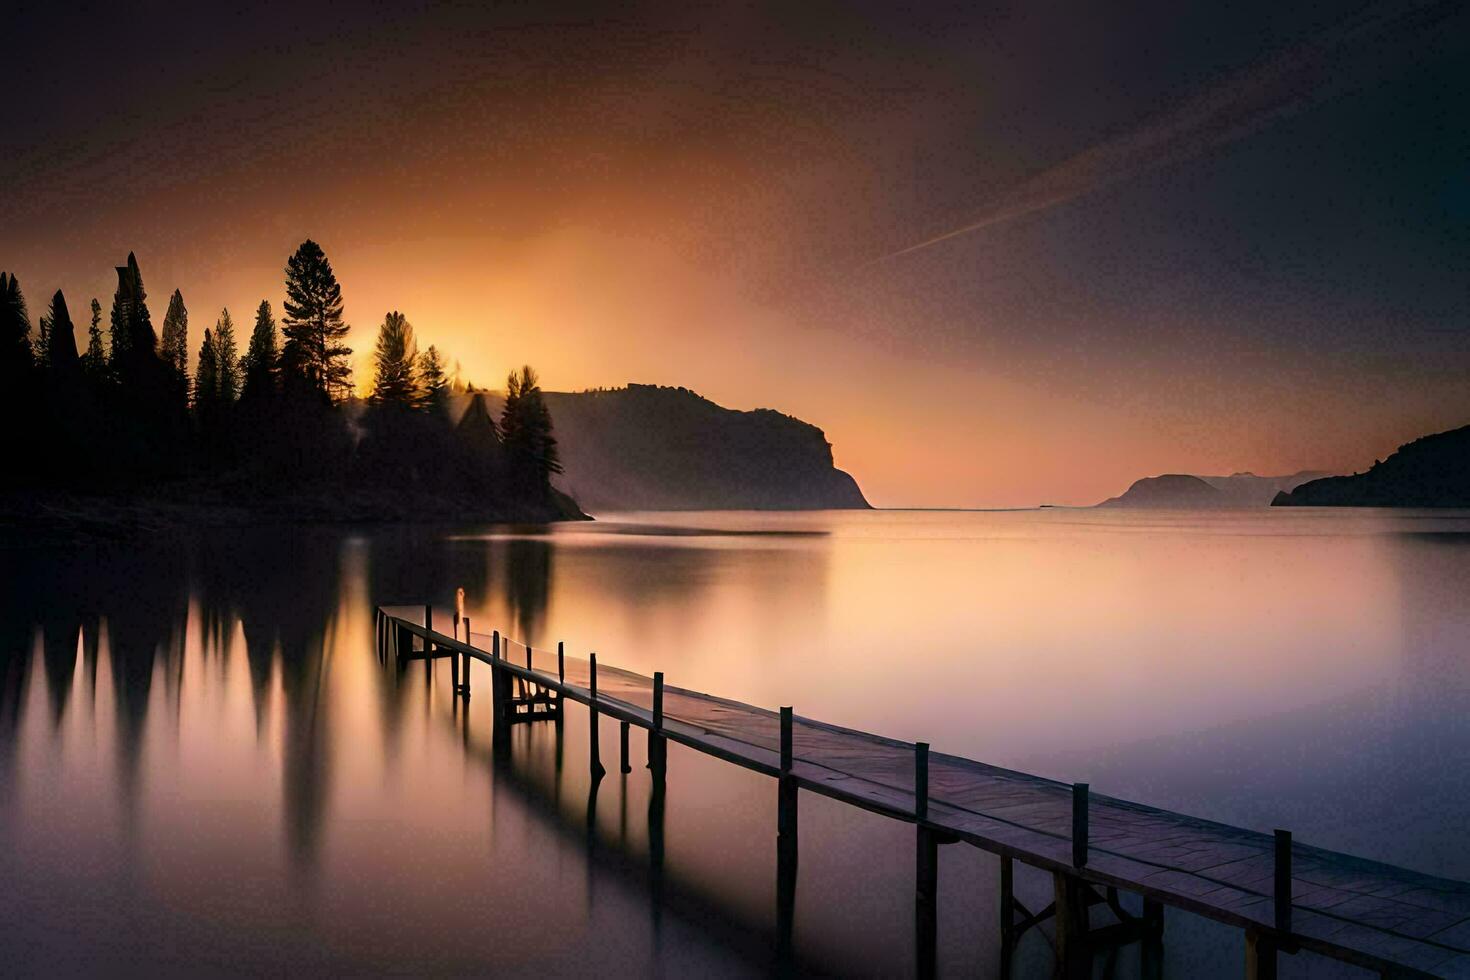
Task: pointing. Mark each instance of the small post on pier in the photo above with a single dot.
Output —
(428, 623)
(623, 748)
(657, 746)
(786, 838)
(1261, 945)
(595, 751)
(926, 868)
(497, 682)
(1079, 824)
(1282, 890)
(561, 662)
(467, 659)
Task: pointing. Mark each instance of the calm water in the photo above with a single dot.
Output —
(218, 774)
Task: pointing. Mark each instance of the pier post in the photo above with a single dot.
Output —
(1007, 913)
(1261, 948)
(1282, 890)
(926, 870)
(623, 748)
(468, 659)
(561, 678)
(1074, 957)
(1151, 955)
(786, 838)
(1260, 956)
(657, 747)
(497, 682)
(595, 752)
(1079, 824)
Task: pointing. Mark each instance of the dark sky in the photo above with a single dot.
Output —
(1212, 237)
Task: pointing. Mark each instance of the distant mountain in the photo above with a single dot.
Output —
(646, 447)
(1187, 492)
(1433, 471)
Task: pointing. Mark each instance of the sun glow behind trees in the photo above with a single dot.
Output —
(128, 414)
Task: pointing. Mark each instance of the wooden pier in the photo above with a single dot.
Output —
(1285, 896)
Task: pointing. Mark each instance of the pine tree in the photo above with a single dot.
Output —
(260, 358)
(314, 351)
(174, 344)
(206, 376)
(395, 373)
(226, 359)
(41, 346)
(95, 360)
(433, 381)
(525, 428)
(16, 356)
(62, 356)
(134, 343)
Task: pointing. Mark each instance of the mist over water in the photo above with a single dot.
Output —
(205, 767)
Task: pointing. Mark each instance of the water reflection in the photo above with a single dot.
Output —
(202, 722)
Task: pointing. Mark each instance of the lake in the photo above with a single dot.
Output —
(219, 775)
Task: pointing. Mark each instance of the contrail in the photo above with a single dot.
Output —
(1240, 105)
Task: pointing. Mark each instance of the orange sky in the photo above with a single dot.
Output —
(699, 201)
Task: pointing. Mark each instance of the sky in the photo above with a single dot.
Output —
(1003, 254)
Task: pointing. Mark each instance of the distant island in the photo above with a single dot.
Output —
(648, 447)
(1433, 471)
(1185, 492)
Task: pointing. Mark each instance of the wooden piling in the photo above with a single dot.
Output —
(926, 901)
(786, 843)
(594, 751)
(921, 780)
(1282, 890)
(926, 870)
(1074, 957)
(561, 662)
(1079, 825)
(623, 748)
(1007, 913)
(657, 746)
(468, 659)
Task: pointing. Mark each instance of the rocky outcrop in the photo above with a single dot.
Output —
(1430, 472)
(646, 447)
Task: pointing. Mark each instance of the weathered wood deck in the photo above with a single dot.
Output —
(1285, 895)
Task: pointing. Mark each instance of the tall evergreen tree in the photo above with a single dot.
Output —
(260, 358)
(41, 346)
(395, 372)
(206, 376)
(226, 359)
(433, 381)
(63, 360)
(16, 356)
(525, 428)
(134, 344)
(314, 351)
(95, 360)
(173, 346)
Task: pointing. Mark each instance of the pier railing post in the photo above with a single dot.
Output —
(497, 682)
(1080, 795)
(786, 838)
(468, 659)
(926, 870)
(1282, 890)
(595, 751)
(623, 766)
(657, 747)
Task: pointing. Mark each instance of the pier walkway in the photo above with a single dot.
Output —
(1286, 896)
